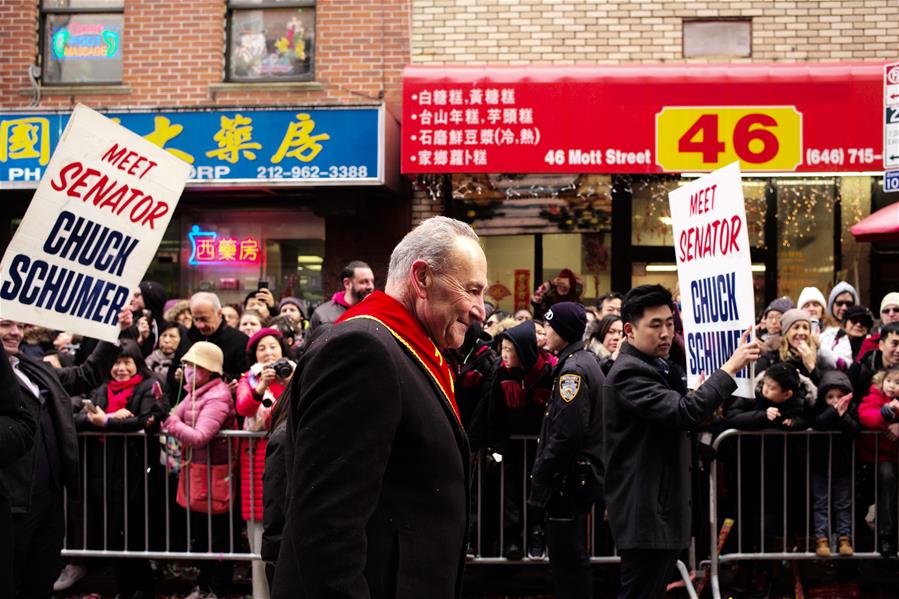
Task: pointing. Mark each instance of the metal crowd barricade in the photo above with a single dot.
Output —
(170, 540)
(731, 443)
(160, 536)
(491, 496)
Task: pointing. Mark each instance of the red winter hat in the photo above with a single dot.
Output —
(255, 339)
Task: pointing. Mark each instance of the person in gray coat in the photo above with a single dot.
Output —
(648, 415)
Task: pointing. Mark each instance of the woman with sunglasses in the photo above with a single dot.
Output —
(842, 297)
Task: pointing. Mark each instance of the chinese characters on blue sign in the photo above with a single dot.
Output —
(294, 146)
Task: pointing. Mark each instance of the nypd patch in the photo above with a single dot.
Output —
(569, 385)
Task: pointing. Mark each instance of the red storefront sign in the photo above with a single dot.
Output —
(643, 118)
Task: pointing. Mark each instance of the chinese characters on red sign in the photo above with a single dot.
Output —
(642, 119)
(460, 127)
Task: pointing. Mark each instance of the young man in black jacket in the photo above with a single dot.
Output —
(648, 415)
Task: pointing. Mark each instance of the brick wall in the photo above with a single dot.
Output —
(174, 50)
(588, 31)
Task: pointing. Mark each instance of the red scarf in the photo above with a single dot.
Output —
(393, 315)
(119, 392)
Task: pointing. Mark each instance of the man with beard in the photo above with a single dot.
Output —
(358, 281)
(378, 475)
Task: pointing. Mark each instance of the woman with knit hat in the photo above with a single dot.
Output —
(812, 301)
(257, 392)
(842, 297)
(798, 346)
(205, 410)
(889, 313)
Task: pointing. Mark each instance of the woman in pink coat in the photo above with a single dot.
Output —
(257, 392)
(205, 410)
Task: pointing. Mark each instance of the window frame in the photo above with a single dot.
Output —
(736, 19)
(43, 12)
(232, 6)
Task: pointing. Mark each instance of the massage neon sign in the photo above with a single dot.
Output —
(84, 41)
(207, 249)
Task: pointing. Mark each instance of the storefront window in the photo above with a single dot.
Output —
(514, 204)
(230, 253)
(652, 212)
(82, 41)
(510, 270)
(567, 216)
(855, 205)
(805, 234)
(274, 43)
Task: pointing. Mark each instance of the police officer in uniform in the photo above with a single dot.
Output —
(567, 475)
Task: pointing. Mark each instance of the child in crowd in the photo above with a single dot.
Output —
(521, 388)
(831, 461)
(879, 410)
(781, 401)
(160, 359)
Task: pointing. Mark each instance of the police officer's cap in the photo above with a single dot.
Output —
(568, 320)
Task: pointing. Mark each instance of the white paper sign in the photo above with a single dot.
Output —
(92, 228)
(715, 272)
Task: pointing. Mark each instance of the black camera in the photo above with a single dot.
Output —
(282, 368)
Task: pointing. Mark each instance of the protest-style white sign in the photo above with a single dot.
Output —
(715, 272)
(92, 228)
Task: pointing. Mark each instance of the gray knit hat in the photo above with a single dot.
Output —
(793, 316)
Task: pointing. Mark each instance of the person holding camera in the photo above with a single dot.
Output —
(257, 392)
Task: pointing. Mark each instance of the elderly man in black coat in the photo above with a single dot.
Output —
(209, 325)
(378, 476)
(648, 415)
(17, 427)
(34, 483)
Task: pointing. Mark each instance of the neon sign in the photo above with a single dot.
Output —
(85, 40)
(207, 248)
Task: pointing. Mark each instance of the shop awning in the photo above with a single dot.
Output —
(772, 117)
(881, 227)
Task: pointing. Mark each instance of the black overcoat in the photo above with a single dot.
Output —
(648, 451)
(60, 383)
(378, 475)
(18, 425)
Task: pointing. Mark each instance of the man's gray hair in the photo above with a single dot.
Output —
(205, 296)
(433, 241)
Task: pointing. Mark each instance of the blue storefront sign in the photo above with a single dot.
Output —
(297, 147)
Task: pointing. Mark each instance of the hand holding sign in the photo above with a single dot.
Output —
(708, 220)
(748, 351)
(126, 319)
(91, 230)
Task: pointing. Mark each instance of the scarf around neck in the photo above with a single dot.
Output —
(119, 392)
(382, 308)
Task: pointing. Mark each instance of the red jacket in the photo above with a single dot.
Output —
(258, 417)
(872, 343)
(871, 418)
